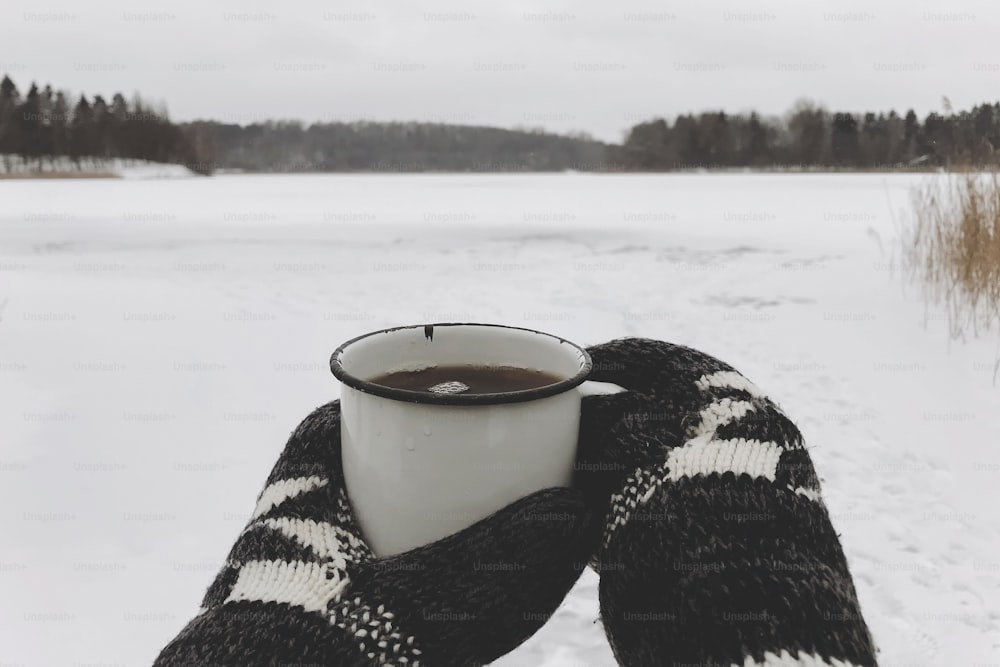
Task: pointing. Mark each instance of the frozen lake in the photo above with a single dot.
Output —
(160, 339)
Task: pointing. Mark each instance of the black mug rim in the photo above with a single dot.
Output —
(408, 396)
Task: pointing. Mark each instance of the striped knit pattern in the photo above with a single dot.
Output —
(301, 587)
(717, 547)
(296, 555)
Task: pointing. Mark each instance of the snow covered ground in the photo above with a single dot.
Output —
(160, 339)
(130, 169)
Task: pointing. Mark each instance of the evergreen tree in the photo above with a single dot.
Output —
(59, 125)
(80, 130)
(844, 144)
(119, 114)
(45, 104)
(986, 130)
(9, 100)
(939, 141)
(101, 129)
(758, 148)
(895, 139)
(29, 126)
(911, 137)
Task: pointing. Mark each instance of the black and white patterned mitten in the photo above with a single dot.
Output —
(717, 548)
(301, 587)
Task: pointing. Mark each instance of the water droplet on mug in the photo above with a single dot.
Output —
(410, 445)
(427, 429)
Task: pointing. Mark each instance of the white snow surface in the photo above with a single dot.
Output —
(128, 169)
(160, 339)
(151, 170)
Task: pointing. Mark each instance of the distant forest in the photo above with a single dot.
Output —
(399, 147)
(43, 124)
(811, 137)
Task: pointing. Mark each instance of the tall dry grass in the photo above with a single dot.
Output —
(953, 248)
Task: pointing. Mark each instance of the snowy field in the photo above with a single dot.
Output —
(160, 339)
(116, 167)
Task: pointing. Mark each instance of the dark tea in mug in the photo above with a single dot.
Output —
(467, 379)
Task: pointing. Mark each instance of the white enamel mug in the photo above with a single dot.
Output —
(419, 466)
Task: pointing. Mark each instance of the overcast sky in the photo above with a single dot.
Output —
(593, 66)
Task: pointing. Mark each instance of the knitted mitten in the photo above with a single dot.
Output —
(717, 548)
(301, 587)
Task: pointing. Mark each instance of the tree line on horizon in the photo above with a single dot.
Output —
(292, 146)
(43, 125)
(811, 137)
